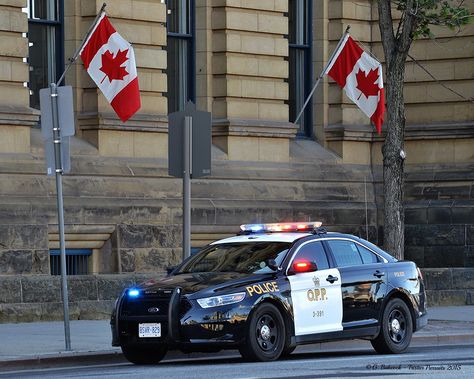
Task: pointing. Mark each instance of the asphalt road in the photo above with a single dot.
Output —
(418, 362)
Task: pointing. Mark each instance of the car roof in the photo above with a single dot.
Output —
(291, 237)
(263, 237)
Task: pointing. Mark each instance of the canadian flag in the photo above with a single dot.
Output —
(360, 76)
(110, 61)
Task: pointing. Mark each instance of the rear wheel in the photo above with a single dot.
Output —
(144, 355)
(397, 329)
(265, 335)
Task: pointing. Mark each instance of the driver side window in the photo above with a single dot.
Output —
(313, 252)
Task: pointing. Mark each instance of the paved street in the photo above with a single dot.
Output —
(419, 362)
(444, 348)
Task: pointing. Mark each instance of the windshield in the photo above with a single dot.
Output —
(249, 258)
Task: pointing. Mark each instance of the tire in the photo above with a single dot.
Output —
(396, 330)
(287, 351)
(265, 339)
(144, 355)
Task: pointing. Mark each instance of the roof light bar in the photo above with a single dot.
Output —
(280, 227)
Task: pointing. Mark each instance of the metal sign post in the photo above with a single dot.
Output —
(189, 156)
(187, 173)
(59, 195)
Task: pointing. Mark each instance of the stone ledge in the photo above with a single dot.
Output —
(366, 133)
(23, 116)
(253, 128)
(109, 121)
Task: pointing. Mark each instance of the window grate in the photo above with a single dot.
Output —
(77, 261)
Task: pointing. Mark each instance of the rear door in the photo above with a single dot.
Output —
(316, 296)
(364, 277)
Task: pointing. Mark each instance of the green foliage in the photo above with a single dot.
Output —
(451, 14)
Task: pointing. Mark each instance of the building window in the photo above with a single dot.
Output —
(46, 40)
(181, 61)
(77, 261)
(300, 77)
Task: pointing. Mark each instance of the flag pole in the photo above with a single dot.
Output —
(76, 53)
(323, 72)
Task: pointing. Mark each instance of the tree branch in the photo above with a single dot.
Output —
(386, 27)
(405, 38)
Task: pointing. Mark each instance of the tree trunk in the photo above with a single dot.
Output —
(395, 48)
(393, 162)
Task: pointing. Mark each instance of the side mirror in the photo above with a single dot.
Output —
(303, 266)
(272, 264)
(169, 270)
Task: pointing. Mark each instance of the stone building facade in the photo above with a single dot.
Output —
(250, 63)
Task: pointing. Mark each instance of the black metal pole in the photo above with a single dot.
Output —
(187, 165)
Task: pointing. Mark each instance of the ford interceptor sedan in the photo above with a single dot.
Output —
(270, 288)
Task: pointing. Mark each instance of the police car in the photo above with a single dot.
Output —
(270, 288)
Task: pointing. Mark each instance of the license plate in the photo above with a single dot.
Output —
(149, 330)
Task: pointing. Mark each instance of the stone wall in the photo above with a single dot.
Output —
(38, 297)
(439, 215)
(449, 286)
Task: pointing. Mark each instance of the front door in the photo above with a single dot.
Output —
(316, 296)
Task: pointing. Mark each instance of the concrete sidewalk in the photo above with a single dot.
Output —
(38, 343)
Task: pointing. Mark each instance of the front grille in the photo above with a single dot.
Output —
(151, 303)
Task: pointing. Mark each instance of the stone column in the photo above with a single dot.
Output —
(142, 23)
(349, 132)
(249, 79)
(16, 117)
(320, 22)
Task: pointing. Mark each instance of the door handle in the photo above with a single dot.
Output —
(379, 274)
(331, 279)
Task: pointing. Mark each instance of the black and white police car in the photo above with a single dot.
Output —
(270, 288)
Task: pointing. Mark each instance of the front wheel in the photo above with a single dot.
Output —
(396, 330)
(144, 355)
(265, 335)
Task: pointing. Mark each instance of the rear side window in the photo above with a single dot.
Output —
(313, 252)
(367, 256)
(345, 253)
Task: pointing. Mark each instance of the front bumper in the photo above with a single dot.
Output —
(186, 325)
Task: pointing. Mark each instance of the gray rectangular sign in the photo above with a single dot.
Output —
(201, 142)
(65, 112)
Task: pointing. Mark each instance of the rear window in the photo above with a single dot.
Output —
(367, 256)
(345, 253)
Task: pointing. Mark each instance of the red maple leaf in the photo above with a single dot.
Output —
(112, 66)
(367, 83)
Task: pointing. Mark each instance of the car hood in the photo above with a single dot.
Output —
(204, 283)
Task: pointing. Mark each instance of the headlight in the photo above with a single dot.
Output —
(217, 301)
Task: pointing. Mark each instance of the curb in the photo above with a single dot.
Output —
(64, 359)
